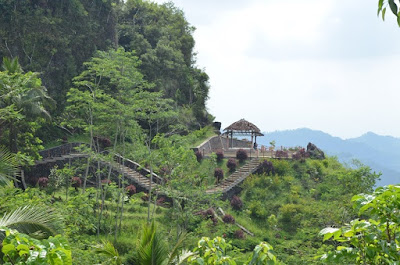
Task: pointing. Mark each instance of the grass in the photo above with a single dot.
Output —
(206, 133)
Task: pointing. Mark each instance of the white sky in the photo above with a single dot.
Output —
(329, 65)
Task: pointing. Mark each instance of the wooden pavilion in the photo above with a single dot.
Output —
(242, 128)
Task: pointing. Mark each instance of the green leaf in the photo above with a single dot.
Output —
(380, 4)
(398, 19)
(23, 249)
(383, 14)
(8, 248)
(393, 6)
(329, 230)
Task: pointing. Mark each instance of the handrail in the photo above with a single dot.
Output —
(69, 148)
(60, 150)
(137, 167)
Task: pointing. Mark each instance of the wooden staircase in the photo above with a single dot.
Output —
(130, 169)
(139, 175)
(236, 178)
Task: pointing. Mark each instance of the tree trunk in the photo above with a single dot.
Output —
(23, 179)
(90, 151)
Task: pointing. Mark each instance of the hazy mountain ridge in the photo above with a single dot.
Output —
(381, 153)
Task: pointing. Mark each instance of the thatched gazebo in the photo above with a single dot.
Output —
(242, 128)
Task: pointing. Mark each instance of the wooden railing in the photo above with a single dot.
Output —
(60, 150)
(71, 148)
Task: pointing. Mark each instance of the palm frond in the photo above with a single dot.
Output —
(11, 65)
(151, 250)
(182, 257)
(108, 249)
(33, 220)
(8, 166)
(174, 255)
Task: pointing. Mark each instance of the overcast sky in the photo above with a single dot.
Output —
(329, 65)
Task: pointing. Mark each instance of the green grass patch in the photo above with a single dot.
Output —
(203, 135)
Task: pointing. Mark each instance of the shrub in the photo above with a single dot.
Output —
(301, 154)
(236, 203)
(231, 164)
(103, 141)
(241, 154)
(43, 182)
(272, 221)
(164, 171)
(282, 167)
(145, 197)
(239, 234)
(105, 181)
(220, 155)
(76, 182)
(208, 214)
(199, 156)
(161, 200)
(266, 167)
(218, 174)
(131, 189)
(228, 219)
(281, 154)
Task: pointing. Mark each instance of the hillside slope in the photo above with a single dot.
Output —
(381, 153)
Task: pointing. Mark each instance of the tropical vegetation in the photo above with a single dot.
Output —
(118, 93)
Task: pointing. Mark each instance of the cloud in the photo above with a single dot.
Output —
(336, 30)
(284, 64)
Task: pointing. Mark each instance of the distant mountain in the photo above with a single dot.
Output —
(381, 153)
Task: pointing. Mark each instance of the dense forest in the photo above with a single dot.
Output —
(101, 107)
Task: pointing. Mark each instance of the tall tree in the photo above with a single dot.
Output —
(163, 40)
(24, 106)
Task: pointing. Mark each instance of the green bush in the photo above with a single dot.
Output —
(282, 167)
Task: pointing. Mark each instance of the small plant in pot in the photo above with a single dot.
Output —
(220, 155)
(231, 164)
(76, 182)
(236, 203)
(241, 155)
(218, 174)
(228, 219)
(43, 182)
(131, 189)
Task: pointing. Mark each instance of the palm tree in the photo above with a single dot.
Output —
(22, 93)
(153, 250)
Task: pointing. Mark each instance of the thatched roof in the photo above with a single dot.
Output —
(243, 126)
